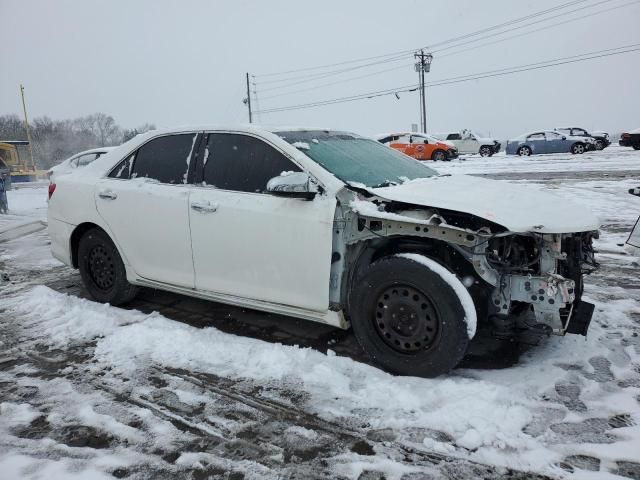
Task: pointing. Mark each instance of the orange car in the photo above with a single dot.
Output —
(419, 146)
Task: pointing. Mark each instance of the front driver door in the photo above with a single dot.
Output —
(144, 202)
(255, 245)
(537, 142)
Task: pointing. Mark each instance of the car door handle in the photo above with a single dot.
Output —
(204, 207)
(108, 195)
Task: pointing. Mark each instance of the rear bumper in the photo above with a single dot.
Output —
(60, 235)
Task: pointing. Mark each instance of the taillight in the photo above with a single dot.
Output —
(52, 188)
(626, 135)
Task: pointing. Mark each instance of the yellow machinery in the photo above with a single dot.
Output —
(10, 162)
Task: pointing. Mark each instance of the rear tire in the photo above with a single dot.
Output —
(439, 155)
(408, 319)
(524, 151)
(102, 270)
(577, 148)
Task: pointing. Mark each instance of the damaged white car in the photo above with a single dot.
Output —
(331, 227)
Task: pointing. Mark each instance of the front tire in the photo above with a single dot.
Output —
(439, 155)
(102, 270)
(600, 145)
(636, 147)
(408, 319)
(577, 149)
(486, 151)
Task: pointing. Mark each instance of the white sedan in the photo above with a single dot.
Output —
(78, 160)
(331, 227)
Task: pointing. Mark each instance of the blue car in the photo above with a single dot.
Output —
(547, 141)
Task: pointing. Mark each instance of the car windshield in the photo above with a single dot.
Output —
(355, 159)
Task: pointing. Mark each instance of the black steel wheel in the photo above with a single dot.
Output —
(407, 318)
(600, 144)
(101, 267)
(102, 270)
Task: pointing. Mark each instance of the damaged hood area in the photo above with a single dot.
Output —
(518, 208)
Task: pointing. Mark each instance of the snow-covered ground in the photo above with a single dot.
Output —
(93, 391)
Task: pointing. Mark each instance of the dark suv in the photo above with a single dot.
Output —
(601, 139)
(631, 139)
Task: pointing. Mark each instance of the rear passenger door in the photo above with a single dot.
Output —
(145, 203)
(252, 244)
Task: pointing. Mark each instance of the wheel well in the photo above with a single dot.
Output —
(368, 252)
(77, 234)
(438, 150)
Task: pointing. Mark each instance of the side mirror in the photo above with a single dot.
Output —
(294, 185)
(564, 137)
(426, 142)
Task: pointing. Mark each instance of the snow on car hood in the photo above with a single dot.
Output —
(519, 208)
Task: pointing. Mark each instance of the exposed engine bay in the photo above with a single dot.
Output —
(525, 285)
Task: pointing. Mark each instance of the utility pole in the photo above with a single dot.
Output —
(247, 101)
(423, 65)
(26, 125)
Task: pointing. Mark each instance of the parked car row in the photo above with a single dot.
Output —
(440, 146)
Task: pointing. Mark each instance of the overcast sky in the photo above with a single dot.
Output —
(183, 62)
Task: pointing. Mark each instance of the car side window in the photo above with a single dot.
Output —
(123, 169)
(579, 132)
(85, 160)
(242, 163)
(165, 159)
(536, 136)
(454, 136)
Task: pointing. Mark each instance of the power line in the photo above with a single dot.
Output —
(465, 78)
(574, 19)
(522, 26)
(444, 42)
(315, 87)
(368, 75)
(316, 76)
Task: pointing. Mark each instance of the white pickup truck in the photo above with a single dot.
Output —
(470, 143)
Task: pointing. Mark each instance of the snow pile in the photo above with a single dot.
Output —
(465, 298)
(301, 145)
